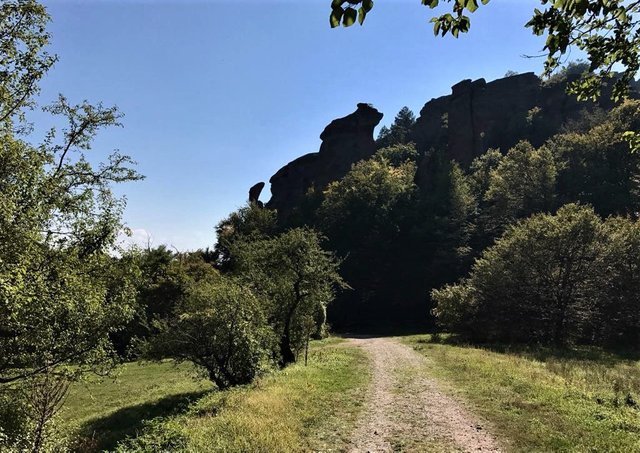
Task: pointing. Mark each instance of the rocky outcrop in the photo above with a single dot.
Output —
(254, 193)
(478, 115)
(344, 142)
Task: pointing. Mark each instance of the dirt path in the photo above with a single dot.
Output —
(407, 411)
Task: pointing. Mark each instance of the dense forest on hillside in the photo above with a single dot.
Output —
(410, 219)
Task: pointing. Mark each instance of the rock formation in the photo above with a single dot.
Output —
(344, 142)
(476, 116)
(254, 193)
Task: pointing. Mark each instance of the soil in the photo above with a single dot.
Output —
(406, 410)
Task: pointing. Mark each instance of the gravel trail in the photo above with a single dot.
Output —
(407, 411)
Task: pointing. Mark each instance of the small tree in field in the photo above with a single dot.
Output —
(296, 278)
(219, 326)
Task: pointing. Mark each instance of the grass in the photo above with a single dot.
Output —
(545, 400)
(300, 408)
(103, 411)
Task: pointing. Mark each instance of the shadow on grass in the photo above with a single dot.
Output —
(105, 433)
(542, 353)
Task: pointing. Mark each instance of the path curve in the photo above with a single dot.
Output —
(407, 411)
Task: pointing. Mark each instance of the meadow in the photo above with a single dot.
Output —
(160, 406)
(541, 399)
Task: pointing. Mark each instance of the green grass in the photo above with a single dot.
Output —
(543, 400)
(103, 411)
(161, 408)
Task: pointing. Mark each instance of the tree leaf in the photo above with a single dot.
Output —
(362, 14)
(336, 15)
(349, 17)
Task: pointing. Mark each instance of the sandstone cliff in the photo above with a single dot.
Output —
(344, 142)
(476, 116)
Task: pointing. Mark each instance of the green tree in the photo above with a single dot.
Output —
(617, 322)
(296, 278)
(251, 222)
(480, 172)
(62, 293)
(164, 280)
(362, 206)
(219, 326)
(533, 285)
(400, 131)
(522, 183)
(606, 30)
(24, 61)
(595, 164)
(363, 216)
(441, 226)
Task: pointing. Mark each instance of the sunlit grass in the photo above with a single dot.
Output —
(541, 400)
(102, 411)
(160, 406)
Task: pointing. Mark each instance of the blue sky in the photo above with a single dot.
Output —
(218, 95)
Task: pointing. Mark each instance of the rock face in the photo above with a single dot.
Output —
(254, 193)
(478, 115)
(344, 142)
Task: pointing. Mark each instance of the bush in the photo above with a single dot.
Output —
(220, 327)
(534, 285)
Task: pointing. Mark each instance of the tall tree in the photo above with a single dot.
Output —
(62, 293)
(24, 59)
(400, 131)
(523, 183)
(296, 278)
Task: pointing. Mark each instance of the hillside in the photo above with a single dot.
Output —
(418, 236)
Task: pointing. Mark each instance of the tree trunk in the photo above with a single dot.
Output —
(559, 328)
(286, 354)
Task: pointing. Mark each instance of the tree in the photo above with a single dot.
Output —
(62, 293)
(362, 216)
(296, 278)
(440, 228)
(606, 30)
(219, 326)
(533, 285)
(58, 222)
(362, 206)
(595, 164)
(400, 131)
(164, 280)
(23, 40)
(617, 322)
(522, 183)
(251, 222)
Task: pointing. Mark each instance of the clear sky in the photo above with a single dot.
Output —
(219, 95)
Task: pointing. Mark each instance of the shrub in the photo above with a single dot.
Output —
(220, 327)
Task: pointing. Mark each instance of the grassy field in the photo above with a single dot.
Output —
(103, 411)
(160, 407)
(542, 400)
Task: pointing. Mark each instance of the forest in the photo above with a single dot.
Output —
(523, 238)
